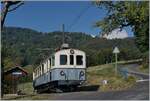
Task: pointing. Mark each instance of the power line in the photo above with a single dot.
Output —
(79, 16)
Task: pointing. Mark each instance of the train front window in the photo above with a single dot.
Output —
(71, 60)
(79, 60)
(63, 59)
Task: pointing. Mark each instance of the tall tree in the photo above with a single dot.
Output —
(121, 14)
(7, 6)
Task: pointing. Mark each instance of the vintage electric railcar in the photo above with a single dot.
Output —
(66, 68)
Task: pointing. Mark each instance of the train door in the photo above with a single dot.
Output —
(72, 72)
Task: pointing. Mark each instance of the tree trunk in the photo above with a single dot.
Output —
(4, 13)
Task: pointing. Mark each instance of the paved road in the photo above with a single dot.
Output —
(139, 92)
(134, 69)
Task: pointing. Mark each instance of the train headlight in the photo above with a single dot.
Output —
(81, 73)
(62, 73)
(72, 51)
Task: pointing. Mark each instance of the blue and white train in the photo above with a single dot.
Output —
(66, 68)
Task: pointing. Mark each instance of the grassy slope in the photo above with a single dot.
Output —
(144, 70)
(27, 88)
(107, 72)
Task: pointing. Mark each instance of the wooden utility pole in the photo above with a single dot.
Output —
(63, 29)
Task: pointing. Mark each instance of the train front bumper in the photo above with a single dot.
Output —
(67, 74)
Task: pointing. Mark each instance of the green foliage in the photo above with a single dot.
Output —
(145, 60)
(107, 71)
(26, 88)
(29, 45)
(131, 79)
(99, 51)
(26, 47)
(127, 13)
(22, 47)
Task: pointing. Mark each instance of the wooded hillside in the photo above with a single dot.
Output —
(21, 46)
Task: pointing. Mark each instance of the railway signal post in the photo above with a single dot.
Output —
(116, 51)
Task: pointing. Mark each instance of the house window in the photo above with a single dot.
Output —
(63, 59)
(79, 60)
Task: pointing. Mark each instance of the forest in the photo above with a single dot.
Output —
(22, 47)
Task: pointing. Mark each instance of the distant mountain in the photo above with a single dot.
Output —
(21, 46)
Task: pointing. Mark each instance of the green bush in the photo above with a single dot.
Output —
(145, 63)
(131, 79)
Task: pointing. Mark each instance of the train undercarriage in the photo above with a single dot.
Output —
(58, 86)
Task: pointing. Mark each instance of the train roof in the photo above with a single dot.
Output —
(57, 52)
(68, 49)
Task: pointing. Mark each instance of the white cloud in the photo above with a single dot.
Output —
(116, 34)
(93, 36)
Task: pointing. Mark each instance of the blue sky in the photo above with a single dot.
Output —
(48, 16)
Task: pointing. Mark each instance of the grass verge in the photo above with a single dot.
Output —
(26, 88)
(95, 76)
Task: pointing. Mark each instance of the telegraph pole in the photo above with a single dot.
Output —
(64, 45)
(63, 28)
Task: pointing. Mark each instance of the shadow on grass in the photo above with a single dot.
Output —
(88, 88)
(78, 89)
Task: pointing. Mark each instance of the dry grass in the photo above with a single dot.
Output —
(144, 70)
(26, 88)
(107, 72)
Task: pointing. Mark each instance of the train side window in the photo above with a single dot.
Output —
(79, 59)
(50, 62)
(53, 60)
(42, 68)
(47, 65)
(38, 72)
(71, 59)
(34, 73)
(63, 59)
